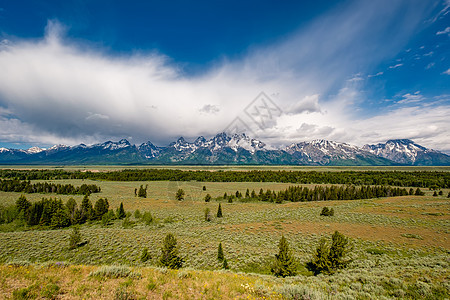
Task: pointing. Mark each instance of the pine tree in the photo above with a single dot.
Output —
(320, 262)
(204, 188)
(22, 206)
(60, 219)
(142, 192)
(220, 255)
(219, 211)
(284, 261)
(74, 238)
(101, 207)
(340, 247)
(435, 194)
(247, 193)
(207, 198)
(169, 253)
(121, 212)
(225, 264)
(86, 209)
(180, 194)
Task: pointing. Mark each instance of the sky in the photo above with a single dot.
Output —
(359, 72)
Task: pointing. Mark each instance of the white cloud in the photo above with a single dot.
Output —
(430, 65)
(395, 66)
(375, 75)
(446, 72)
(54, 90)
(445, 31)
(411, 98)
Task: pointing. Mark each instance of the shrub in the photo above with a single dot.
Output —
(284, 261)
(123, 294)
(180, 194)
(147, 218)
(169, 253)
(327, 212)
(142, 192)
(137, 214)
(114, 272)
(207, 198)
(74, 238)
(207, 214)
(50, 291)
(145, 255)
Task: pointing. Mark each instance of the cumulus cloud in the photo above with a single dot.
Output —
(308, 104)
(56, 90)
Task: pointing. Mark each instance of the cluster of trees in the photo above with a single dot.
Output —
(142, 192)
(322, 193)
(328, 257)
(394, 178)
(25, 186)
(54, 213)
(328, 212)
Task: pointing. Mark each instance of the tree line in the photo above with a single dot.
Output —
(25, 186)
(425, 179)
(321, 193)
(54, 213)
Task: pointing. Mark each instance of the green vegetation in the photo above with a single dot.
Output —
(169, 253)
(399, 242)
(393, 178)
(327, 212)
(45, 187)
(329, 259)
(285, 264)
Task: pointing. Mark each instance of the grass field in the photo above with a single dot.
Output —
(401, 244)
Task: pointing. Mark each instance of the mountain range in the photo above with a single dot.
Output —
(230, 149)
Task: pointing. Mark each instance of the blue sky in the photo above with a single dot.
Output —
(350, 71)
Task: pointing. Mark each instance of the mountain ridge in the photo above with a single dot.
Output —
(231, 149)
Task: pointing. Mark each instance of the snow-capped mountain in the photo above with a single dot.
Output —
(229, 149)
(407, 152)
(326, 152)
(219, 142)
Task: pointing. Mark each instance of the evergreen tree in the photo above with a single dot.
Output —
(180, 194)
(147, 218)
(74, 238)
(330, 259)
(71, 206)
(204, 188)
(340, 247)
(207, 198)
(435, 194)
(142, 191)
(225, 196)
(284, 261)
(60, 218)
(22, 206)
(220, 255)
(169, 253)
(247, 193)
(320, 262)
(86, 209)
(137, 214)
(101, 207)
(419, 192)
(225, 264)
(121, 212)
(219, 211)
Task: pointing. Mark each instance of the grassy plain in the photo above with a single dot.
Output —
(401, 244)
